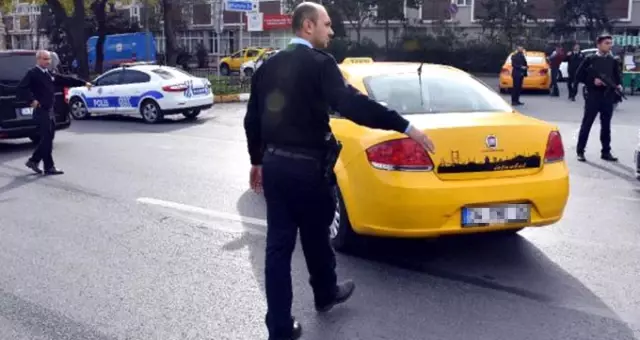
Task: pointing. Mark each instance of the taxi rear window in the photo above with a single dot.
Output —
(164, 74)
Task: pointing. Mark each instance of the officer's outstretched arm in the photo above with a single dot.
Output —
(68, 81)
(252, 123)
(354, 105)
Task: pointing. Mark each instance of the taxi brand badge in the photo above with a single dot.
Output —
(491, 141)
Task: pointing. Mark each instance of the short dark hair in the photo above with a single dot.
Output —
(603, 37)
(304, 11)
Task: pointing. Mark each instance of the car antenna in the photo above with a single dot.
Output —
(420, 82)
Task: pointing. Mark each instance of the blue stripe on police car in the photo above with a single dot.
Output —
(103, 102)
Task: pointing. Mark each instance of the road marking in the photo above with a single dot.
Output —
(632, 199)
(202, 211)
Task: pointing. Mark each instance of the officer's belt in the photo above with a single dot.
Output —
(296, 153)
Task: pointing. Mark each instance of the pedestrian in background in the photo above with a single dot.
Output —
(293, 153)
(519, 69)
(600, 97)
(555, 59)
(38, 87)
(574, 59)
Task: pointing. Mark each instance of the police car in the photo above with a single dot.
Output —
(147, 90)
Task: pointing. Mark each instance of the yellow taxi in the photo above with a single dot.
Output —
(233, 62)
(538, 75)
(494, 169)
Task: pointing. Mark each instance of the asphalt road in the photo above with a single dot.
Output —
(153, 234)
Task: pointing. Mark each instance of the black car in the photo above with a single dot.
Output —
(16, 116)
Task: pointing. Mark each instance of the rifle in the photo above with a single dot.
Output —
(608, 82)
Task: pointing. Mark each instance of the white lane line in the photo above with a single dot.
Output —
(202, 211)
(632, 199)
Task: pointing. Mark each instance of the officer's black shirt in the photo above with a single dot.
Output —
(40, 84)
(291, 96)
(518, 60)
(573, 61)
(595, 65)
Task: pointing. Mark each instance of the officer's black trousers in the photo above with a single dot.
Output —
(46, 131)
(298, 197)
(517, 88)
(572, 86)
(597, 102)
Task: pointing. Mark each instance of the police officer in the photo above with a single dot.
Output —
(574, 59)
(38, 88)
(601, 98)
(289, 138)
(519, 71)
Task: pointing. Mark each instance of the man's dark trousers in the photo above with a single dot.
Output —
(555, 74)
(572, 85)
(597, 102)
(517, 88)
(46, 130)
(298, 197)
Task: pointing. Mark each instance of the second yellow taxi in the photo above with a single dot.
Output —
(494, 169)
(538, 75)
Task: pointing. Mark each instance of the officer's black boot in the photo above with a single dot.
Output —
(343, 293)
(609, 157)
(581, 157)
(296, 332)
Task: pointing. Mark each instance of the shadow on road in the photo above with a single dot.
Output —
(126, 124)
(481, 287)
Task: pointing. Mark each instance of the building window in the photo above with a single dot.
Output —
(202, 14)
(463, 3)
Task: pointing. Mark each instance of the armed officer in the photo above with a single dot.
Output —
(595, 72)
(292, 155)
(519, 71)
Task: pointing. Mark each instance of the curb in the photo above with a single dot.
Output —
(231, 98)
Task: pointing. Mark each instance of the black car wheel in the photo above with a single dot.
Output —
(343, 238)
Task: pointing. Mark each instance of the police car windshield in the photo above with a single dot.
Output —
(14, 66)
(444, 92)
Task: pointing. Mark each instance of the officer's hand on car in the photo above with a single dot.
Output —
(255, 178)
(421, 138)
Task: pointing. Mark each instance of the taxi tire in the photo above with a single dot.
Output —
(346, 239)
(159, 116)
(224, 69)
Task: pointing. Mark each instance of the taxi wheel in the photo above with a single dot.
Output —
(191, 114)
(224, 69)
(77, 109)
(151, 112)
(342, 236)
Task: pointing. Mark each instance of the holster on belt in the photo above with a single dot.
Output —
(333, 147)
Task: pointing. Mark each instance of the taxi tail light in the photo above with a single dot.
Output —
(506, 71)
(555, 148)
(400, 155)
(65, 92)
(174, 88)
(544, 72)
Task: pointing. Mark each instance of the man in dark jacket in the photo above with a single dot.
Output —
(574, 59)
(555, 59)
(38, 88)
(519, 71)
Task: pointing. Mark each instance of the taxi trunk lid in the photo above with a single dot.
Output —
(484, 145)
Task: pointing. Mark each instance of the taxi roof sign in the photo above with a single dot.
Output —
(361, 60)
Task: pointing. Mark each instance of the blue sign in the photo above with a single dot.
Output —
(241, 6)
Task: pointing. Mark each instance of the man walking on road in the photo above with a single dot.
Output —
(600, 97)
(293, 153)
(38, 88)
(555, 59)
(574, 59)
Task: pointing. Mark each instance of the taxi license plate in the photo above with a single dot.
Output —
(496, 215)
(25, 111)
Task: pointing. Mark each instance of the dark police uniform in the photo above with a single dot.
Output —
(519, 71)
(39, 84)
(573, 62)
(599, 99)
(287, 124)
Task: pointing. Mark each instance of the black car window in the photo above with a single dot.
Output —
(13, 67)
(135, 77)
(112, 78)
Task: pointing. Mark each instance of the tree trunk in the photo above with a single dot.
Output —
(169, 34)
(386, 34)
(99, 10)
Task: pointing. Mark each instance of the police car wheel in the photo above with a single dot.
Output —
(191, 114)
(78, 110)
(342, 236)
(150, 111)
